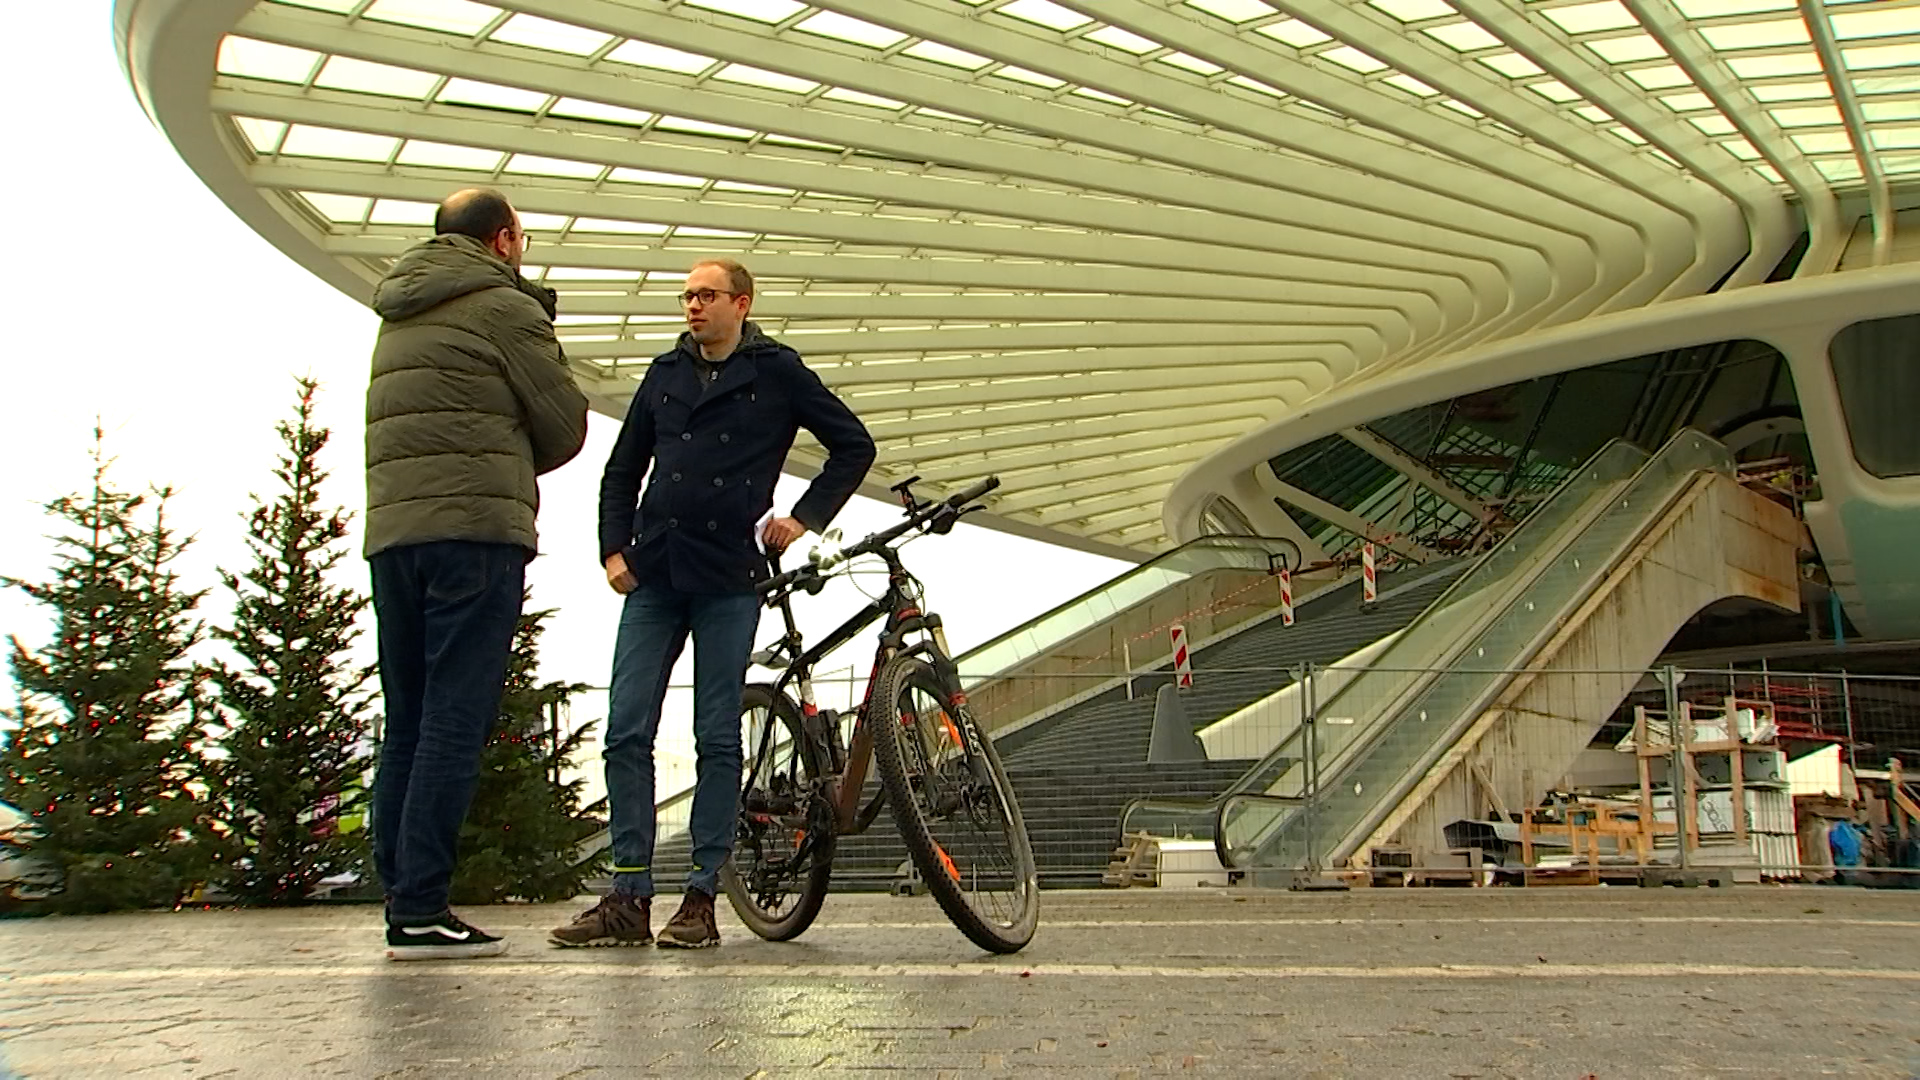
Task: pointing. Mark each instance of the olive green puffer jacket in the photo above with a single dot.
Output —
(470, 400)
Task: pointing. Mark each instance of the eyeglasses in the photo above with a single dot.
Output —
(705, 296)
(525, 241)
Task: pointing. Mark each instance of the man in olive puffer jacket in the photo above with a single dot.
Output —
(470, 401)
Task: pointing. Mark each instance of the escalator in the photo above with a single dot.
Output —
(1673, 531)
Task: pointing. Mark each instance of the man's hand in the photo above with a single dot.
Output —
(783, 531)
(618, 576)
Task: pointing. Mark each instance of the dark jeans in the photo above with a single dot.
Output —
(653, 629)
(447, 612)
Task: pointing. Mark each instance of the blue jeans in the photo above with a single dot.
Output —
(447, 612)
(654, 626)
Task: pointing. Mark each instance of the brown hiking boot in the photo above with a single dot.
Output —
(691, 927)
(618, 919)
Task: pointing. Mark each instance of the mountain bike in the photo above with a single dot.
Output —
(939, 774)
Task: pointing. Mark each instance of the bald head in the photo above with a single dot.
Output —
(485, 215)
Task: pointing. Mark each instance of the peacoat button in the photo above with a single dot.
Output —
(725, 437)
(673, 523)
(687, 436)
(713, 526)
(676, 478)
(717, 482)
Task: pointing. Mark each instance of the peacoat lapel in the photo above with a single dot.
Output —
(737, 372)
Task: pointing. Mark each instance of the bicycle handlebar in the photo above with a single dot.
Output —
(930, 514)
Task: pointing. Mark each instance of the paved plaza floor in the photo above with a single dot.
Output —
(1565, 983)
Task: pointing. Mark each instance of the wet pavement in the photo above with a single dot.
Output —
(1566, 983)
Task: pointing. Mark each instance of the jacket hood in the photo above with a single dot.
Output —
(751, 341)
(445, 267)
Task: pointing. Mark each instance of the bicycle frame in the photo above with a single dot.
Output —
(900, 608)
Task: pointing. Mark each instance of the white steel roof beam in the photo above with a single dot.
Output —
(1068, 438)
(1262, 121)
(1302, 360)
(984, 307)
(526, 134)
(1172, 403)
(1664, 249)
(1702, 63)
(1013, 460)
(1840, 79)
(1195, 338)
(1769, 227)
(577, 198)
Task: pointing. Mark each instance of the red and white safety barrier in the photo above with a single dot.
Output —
(1369, 575)
(1286, 598)
(1182, 663)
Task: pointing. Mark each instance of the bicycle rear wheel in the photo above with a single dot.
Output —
(783, 842)
(954, 807)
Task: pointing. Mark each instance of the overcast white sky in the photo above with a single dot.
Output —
(136, 297)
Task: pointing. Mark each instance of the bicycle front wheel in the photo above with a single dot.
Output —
(954, 807)
(783, 844)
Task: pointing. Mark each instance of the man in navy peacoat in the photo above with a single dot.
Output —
(714, 420)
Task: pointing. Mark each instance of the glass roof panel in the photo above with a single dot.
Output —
(345, 73)
(1769, 172)
(648, 176)
(402, 212)
(1411, 85)
(1044, 13)
(1896, 138)
(1881, 56)
(1554, 90)
(304, 140)
(1513, 65)
(1293, 32)
(1802, 91)
(1871, 21)
(768, 80)
(947, 54)
(535, 32)
(1124, 40)
(1887, 84)
(1823, 142)
(1840, 168)
(1664, 77)
(766, 11)
(660, 58)
(543, 222)
(858, 97)
(579, 109)
(1349, 57)
(1627, 50)
(1234, 11)
(1463, 36)
(702, 127)
(1100, 95)
(1891, 110)
(1900, 164)
(447, 156)
(490, 96)
(1713, 125)
(262, 135)
(1256, 86)
(1031, 78)
(615, 225)
(448, 16)
(1756, 35)
(1808, 116)
(832, 24)
(1740, 148)
(1415, 10)
(1593, 114)
(1688, 102)
(536, 165)
(265, 60)
(1592, 18)
(1709, 9)
(1770, 67)
(349, 209)
(1190, 63)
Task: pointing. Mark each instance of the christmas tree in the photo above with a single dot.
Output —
(522, 836)
(292, 712)
(103, 761)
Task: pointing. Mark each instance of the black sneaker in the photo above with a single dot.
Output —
(444, 938)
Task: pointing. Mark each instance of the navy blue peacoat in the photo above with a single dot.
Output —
(715, 452)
